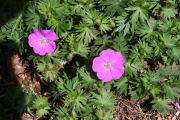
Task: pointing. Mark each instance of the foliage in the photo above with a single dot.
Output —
(163, 103)
(17, 100)
(145, 32)
(41, 105)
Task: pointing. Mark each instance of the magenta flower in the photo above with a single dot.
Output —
(42, 41)
(177, 106)
(153, 20)
(109, 65)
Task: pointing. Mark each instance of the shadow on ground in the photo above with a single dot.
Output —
(10, 9)
(10, 95)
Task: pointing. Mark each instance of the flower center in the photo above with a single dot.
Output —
(43, 40)
(108, 65)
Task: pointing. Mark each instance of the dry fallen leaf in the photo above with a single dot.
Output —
(18, 72)
(27, 116)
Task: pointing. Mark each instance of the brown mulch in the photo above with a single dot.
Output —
(18, 72)
(129, 109)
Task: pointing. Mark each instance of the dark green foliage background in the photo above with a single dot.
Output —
(85, 28)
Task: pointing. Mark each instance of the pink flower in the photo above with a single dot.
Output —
(109, 65)
(42, 41)
(153, 20)
(177, 106)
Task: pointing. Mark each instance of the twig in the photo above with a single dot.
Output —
(126, 105)
(172, 101)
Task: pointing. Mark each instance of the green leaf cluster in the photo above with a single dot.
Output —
(147, 33)
(41, 105)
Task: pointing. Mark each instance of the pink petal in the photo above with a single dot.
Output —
(153, 20)
(117, 72)
(117, 58)
(34, 41)
(98, 64)
(39, 50)
(38, 33)
(105, 54)
(105, 75)
(49, 47)
(49, 34)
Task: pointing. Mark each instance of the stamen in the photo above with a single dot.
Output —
(43, 40)
(108, 65)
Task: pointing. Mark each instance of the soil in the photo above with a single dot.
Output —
(129, 109)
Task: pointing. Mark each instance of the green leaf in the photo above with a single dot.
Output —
(151, 81)
(61, 27)
(123, 25)
(14, 35)
(168, 12)
(157, 49)
(147, 31)
(104, 25)
(168, 40)
(120, 44)
(175, 54)
(166, 25)
(41, 105)
(131, 67)
(25, 101)
(104, 99)
(172, 92)
(122, 85)
(4, 32)
(167, 59)
(43, 111)
(77, 47)
(146, 50)
(91, 17)
(82, 49)
(135, 54)
(41, 67)
(49, 69)
(114, 6)
(104, 115)
(155, 6)
(76, 100)
(63, 113)
(86, 33)
(88, 81)
(161, 105)
(138, 13)
(32, 18)
(172, 70)
(46, 7)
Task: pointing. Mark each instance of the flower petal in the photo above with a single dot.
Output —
(105, 54)
(39, 50)
(38, 33)
(34, 41)
(117, 72)
(49, 47)
(116, 58)
(105, 75)
(98, 64)
(49, 34)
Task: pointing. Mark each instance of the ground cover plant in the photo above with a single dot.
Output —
(69, 56)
